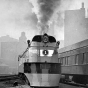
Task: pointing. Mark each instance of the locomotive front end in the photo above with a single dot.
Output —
(42, 68)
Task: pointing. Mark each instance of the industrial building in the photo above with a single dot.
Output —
(75, 26)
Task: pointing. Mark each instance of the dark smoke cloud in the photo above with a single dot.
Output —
(47, 8)
(46, 11)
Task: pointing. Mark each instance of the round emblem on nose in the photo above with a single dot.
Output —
(45, 52)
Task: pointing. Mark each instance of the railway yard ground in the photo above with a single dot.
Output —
(15, 82)
(10, 85)
(70, 86)
(12, 81)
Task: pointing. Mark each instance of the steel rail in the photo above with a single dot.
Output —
(75, 84)
(9, 77)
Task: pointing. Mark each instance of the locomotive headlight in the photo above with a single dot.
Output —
(45, 38)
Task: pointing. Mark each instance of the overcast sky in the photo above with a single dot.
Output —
(17, 16)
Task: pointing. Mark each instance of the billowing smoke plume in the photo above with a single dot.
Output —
(47, 8)
(52, 11)
(44, 12)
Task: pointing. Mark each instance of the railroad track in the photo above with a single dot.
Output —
(8, 77)
(75, 84)
(11, 81)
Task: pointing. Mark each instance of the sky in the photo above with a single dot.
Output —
(17, 16)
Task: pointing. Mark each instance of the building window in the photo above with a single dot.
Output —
(62, 61)
(73, 60)
(59, 60)
(86, 57)
(76, 59)
(66, 60)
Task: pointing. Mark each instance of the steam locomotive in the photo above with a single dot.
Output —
(38, 64)
(74, 62)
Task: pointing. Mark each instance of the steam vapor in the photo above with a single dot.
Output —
(45, 10)
(50, 10)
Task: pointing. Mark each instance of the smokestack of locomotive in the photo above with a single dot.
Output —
(45, 8)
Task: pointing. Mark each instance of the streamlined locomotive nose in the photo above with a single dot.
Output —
(39, 62)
